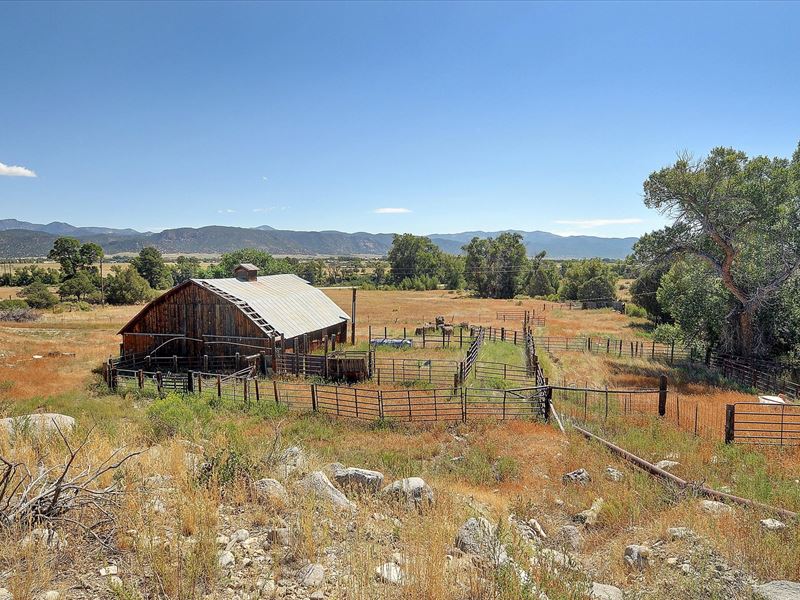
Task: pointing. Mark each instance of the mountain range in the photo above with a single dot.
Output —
(20, 239)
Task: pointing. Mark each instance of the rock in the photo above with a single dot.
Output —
(317, 595)
(589, 516)
(602, 591)
(637, 557)
(551, 557)
(614, 475)
(292, 460)
(48, 538)
(666, 465)
(312, 575)
(279, 535)
(570, 537)
(223, 540)
(271, 491)
(715, 508)
(479, 537)
(51, 595)
(777, 590)
(680, 533)
(5, 594)
(318, 484)
(772, 524)
(390, 573)
(578, 476)
(413, 490)
(226, 559)
(109, 570)
(529, 530)
(353, 477)
(240, 535)
(38, 423)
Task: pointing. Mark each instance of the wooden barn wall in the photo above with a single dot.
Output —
(195, 311)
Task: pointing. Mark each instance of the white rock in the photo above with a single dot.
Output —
(38, 423)
(577, 476)
(680, 533)
(413, 490)
(602, 591)
(666, 465)
(318, 484)
(223, 540)
(361, 478)
(109, 570)
(389, 573)
(226, 559)
(240, 535)
(312, 575)
(51, 595)
(570, 537)
(777, 590)
(637, 557)
(292, 460)
(279, 535)
(715, 508)
(271, 491)
(478, 536)
(614, 475)
(772, 524)
(590, 515)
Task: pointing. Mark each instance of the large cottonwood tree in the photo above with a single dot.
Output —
(740, 215)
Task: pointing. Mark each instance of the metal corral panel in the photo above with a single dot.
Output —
(288, 303)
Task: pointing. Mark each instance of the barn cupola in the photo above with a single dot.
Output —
(245, 272)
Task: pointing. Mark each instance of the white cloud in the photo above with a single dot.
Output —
(224, 211)
(592, 223)
(14, 171)
(391, 211)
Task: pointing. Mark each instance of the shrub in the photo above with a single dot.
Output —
(177, 414)
(666, 333)
(632, 310)
(12, 304)
(19, 315)
(38, 295)
(127, 286)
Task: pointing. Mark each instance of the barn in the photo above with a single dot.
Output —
(243, 314)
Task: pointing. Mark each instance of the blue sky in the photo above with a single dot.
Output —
(316, 116)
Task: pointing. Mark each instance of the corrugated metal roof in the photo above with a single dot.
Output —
(288, 303)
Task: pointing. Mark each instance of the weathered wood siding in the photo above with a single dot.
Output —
(195, 312)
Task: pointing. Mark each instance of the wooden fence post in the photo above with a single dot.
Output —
(275, 392)
(548, 403)
(380, 403)
(246, 390)
(730, 423)
(464, 404)
(219, 386)
(314, 397)
(190, 382)
(662, 395)
(159, 382)
(258, 394)
(140, 377)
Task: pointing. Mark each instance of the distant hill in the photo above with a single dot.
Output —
(59, 228)
(33, 240)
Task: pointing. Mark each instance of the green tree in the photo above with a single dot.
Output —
(74, 256)
(150, 265)
(79, 286)
(266, 263)
(645, 287)
(588, 280)
(696, 300)
(413, 256)
(38, 295)
(494, 267)
(742, 217)
(452, 271)
(541, 278)
(127, 286)
(186, 267)
(313, 271)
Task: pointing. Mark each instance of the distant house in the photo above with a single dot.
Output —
(245, 313)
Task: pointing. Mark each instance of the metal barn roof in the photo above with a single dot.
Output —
(288, 303)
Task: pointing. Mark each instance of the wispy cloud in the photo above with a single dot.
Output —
(592, 223)
(14, 171)
(391, 211)
(267, 209)
(226, 211)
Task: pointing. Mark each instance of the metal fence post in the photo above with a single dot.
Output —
(314, 397)
(662, 395)
(730, 423)
(548, 403)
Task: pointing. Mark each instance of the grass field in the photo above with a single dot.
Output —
(489, 469)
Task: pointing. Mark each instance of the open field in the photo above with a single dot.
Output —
(172, 514)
